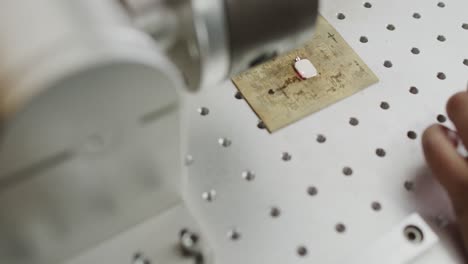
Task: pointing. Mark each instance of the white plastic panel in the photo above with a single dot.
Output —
(323, 189)
(401, 244)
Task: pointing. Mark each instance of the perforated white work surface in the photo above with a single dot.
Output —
(237, 173)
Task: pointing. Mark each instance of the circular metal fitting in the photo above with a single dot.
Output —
(261, 29)
(212, 40)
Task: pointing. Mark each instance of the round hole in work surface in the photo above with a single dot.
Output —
(139, 258)
(367, 5)
(380, 152)
(465, 62)
(414, 90)
(286, 156)
(412, 135)
(204, 111)
(465, 26)
(209, 196)
(413, 234)
(441, 38)
(415, 51)
(353, 121)
(261, 125)
(302, 251)
(388, 64)
(363, 39)
(275, 212)
(441, 76)
(441, 118)
(441, 4)
(224, 142)
(312, 191)
(417, 16)
(347, 171)
(409, 186)
(376, 206)
(321, 139)
(391, 27)
(340, 228)
(248, 175)
(384, 105)
(341, 16)
(238, 96)
(234, 234)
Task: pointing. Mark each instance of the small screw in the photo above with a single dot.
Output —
(188, 242)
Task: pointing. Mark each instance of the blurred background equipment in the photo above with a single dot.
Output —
(91, 132)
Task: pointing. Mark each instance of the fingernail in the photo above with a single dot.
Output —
(453, 137)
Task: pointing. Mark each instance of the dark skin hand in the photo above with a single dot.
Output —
(451, 169)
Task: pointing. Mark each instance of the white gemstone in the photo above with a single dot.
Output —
(305, 69)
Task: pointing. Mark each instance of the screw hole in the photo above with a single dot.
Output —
(234, 235)
(409, 186)
(413, 234)
(376, 206)
(363, 39)
(415, 51)
(441, 76)
(465, 26)
(248, 175)
(224, 142)
(302, 251)
(385, 105)
(203, 111)
(441, 38)
(321, 139)
(238, 95)
(391, 27)
(417, 16)
(312, 191)
(209, 196)
(367, 5)
(340, 228)
(380, 152)
(341, 16)
(441, 4)
(138, 258)
(388, 64)
(261, 125)
(347, 171)
(465, 62)
(275, 212)
(137, 255)
(286, 156)
(414, 90)
(353, 121)
(412, 135)
(441, 119)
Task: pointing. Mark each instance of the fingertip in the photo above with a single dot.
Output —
(431, 135)
(443, 158)
(456, 104)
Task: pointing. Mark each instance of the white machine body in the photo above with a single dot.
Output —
(90, 139)
(90, 126)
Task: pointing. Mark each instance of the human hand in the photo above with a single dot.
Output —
(448, 165)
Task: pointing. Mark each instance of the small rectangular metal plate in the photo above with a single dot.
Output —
(280, 97)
